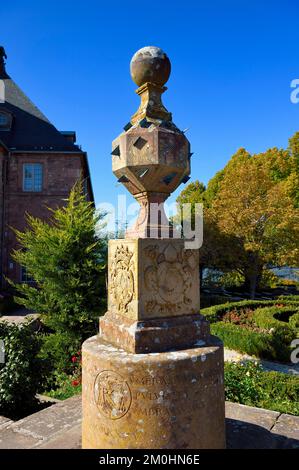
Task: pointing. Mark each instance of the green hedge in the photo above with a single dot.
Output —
(269, 317)
(294, 321)
(266, 336)
(247, 341)
(216, 312)
(21, 372)
(250, 385)
(289, 298)
(57, 350)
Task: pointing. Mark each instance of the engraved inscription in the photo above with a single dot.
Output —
(112, 394)
(152, 381)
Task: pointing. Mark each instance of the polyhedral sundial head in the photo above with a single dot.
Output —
(152, 156)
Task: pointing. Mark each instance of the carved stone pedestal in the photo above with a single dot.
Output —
(153, 377)
(169, 400)
(153, 297)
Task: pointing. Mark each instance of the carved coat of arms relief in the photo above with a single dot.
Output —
(122, 282)
(168, 278)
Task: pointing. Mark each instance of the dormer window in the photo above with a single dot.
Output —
(5, 121)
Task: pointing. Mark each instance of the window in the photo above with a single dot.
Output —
(25, 277)
(85, 188)
(32, 177)
(5, 121)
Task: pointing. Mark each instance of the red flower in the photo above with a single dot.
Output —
(74, 359)
(75, 383)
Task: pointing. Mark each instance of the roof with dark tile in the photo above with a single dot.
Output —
(30, 129)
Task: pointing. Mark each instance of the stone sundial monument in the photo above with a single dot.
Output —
(153, 376)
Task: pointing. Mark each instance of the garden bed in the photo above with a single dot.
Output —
(247, 383)
(264, 329)
(67, 387)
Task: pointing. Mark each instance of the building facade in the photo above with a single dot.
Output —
(38, 167)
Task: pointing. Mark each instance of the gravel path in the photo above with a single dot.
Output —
(235, 356)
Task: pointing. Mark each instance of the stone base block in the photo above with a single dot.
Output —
(154, 335)
(166, 400)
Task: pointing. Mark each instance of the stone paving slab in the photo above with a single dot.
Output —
(59, 427)
(287, 426)
(251, 415)
(249, 428)
(12, 440)
(4, 422)
(255, 428)
(70, 439)
(44, 425)
(20, 319)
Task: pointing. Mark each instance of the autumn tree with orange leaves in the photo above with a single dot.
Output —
(251, 213)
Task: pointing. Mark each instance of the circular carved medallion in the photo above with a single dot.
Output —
(170, 281)
(112, 394)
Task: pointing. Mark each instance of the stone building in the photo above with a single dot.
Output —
(38, 167)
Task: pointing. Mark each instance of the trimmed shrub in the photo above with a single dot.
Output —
(294, 321)
(250, 385)
(258, 328)
(289, 298)
(21, 373)
(65, 387)
(269, 317)
(216, 312)
(241, 382)
(280, 392)
(56, 352)
(244, 340)
(66, 257)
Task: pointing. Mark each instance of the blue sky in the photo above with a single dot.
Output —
(232, 65)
